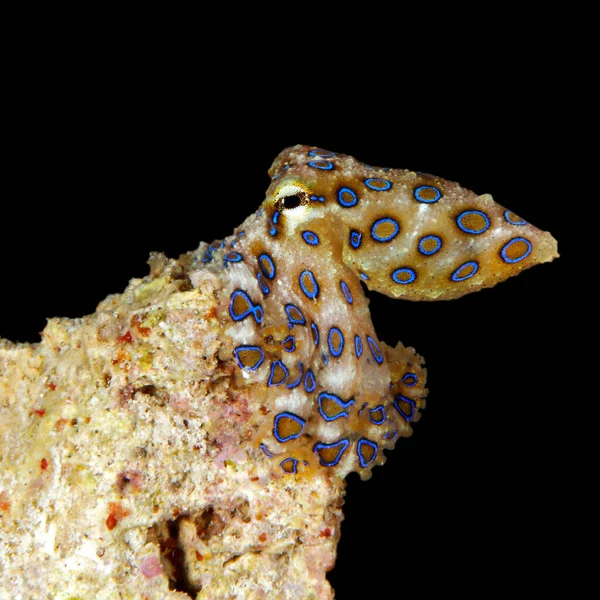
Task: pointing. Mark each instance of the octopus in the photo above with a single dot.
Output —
(296, 316)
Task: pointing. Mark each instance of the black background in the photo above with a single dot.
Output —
(103, 168)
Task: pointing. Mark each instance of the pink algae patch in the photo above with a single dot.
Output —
(179, 403)
(130, 481)
(151, 567)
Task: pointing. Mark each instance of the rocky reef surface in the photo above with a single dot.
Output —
(127, 464)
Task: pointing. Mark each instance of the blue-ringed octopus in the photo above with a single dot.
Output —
(296, 317)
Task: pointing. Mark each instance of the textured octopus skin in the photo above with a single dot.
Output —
(293, 308)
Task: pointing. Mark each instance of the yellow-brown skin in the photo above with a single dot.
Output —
(416, 220)
(328, 222)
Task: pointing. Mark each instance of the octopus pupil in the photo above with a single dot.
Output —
(291, 202)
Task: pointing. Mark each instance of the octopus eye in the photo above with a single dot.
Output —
(291, 202)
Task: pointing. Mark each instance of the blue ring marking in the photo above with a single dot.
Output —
(272, 228)
(291, 386)
(410, 380)
(232, 257)
(322, 153)
(346, 291)
(438, 241)
(275, 364)
(258, 313)
(376, 421)
(325, 358)
(268, 271)
(389, 434)
(411, 272)
(281, 172)
(292, 416)
(355, 238)
(345, 203)
(294, 468)
(369, 183)
(324, 165)
(365, 442)
(365, 404)
(264, 287)
(337, 400)
(335, 351)
(417, 194)
(375, 350)
(242, 348)
(365, 276)
(298, 317)
(287, 339)
(320, 446)
(311, 238)
(309, 294)
(410, 417)
(456, 275)
(274, 219)
(358, 346)
(390, 237)
(506, 216)
(309, 382)
(317, 198)
(315, 332)
(245, 296)
(473, 231)
(266, 451)
(516, 260)
(207, 256)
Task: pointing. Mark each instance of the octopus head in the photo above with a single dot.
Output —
(405, 234)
